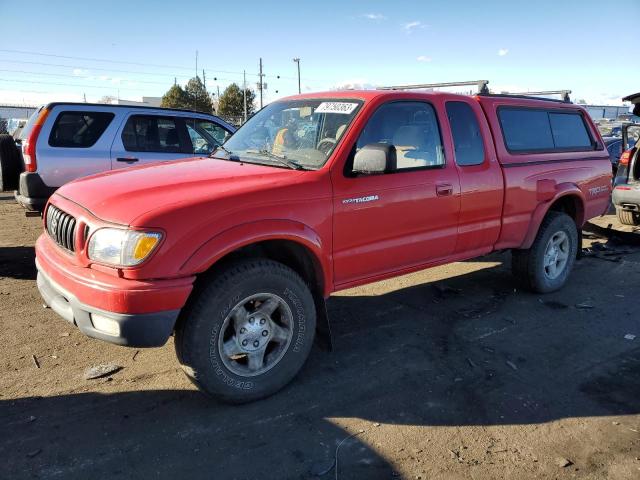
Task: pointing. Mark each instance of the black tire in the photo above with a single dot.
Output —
(528, 265)
(9, 163)
(627, 217)
(199, 329)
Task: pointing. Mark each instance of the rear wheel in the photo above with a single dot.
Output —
(9, 163)
(248, 331)
(627, 217)
(545, 266)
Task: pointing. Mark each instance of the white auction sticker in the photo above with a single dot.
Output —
(336, 107)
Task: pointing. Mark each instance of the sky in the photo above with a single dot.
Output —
(75, 50)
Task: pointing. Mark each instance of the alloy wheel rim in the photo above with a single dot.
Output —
(256, 334)
(556, 255)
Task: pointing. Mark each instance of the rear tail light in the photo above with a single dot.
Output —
(625, 158)
(29, 146)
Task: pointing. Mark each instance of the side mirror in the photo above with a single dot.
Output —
(375, 158)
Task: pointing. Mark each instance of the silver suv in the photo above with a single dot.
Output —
(65, 141)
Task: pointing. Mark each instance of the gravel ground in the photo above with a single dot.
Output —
(443, 374)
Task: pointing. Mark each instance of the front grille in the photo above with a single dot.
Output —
(61, 227)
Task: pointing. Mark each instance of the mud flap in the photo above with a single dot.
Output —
(323, 328)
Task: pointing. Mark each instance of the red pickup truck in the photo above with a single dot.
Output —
(236, 253)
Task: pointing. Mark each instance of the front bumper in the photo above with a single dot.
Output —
(134, 330)
(137, 313)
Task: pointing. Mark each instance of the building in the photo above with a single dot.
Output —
(146, 102)
(16, 111)
(608, 112)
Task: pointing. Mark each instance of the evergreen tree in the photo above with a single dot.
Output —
(231, 102)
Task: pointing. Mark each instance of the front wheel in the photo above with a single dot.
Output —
(248, 331)
(545, 267)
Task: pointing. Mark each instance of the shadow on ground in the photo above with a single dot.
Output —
(18, 262)
(468, 351)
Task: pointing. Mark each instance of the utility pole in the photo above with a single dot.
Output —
(244, 92)
(260, 84)
(297, 60)
(196, 63)
(204, 79)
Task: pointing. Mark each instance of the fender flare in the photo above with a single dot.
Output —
(249, 233)
(561, 191)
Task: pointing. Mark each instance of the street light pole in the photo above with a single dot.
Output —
(297, 60)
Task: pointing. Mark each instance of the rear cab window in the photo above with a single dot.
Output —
(535, 130)
(467, 139)
(74, 129)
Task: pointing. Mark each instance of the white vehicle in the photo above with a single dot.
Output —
(65, 141)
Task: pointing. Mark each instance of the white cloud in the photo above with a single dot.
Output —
(409, 27)
(374, 16)
(423, 58)
(503, 51)
(79, 72)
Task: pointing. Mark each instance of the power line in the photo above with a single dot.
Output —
(87, 68)
(91, 77)
(81, 77)
(110, 87)
(91, 59)
(122, 62)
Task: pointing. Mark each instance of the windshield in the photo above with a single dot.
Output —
(294, 133)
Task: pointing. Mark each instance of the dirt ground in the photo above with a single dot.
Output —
(444, 374)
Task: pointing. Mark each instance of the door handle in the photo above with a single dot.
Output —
(127, 159)
(444, 189)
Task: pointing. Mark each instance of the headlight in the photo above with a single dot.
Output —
(122, 247)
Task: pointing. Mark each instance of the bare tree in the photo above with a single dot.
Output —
(108, 99)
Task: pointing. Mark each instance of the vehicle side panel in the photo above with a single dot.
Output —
(59, 165)
(481, 191)
(384, 223)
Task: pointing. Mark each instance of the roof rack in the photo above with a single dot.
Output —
(564, 94)
(481, 84)
(116, 105)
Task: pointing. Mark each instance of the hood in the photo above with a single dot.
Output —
(121, 196)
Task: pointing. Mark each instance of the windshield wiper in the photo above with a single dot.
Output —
(281, 159)
(232, 156)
